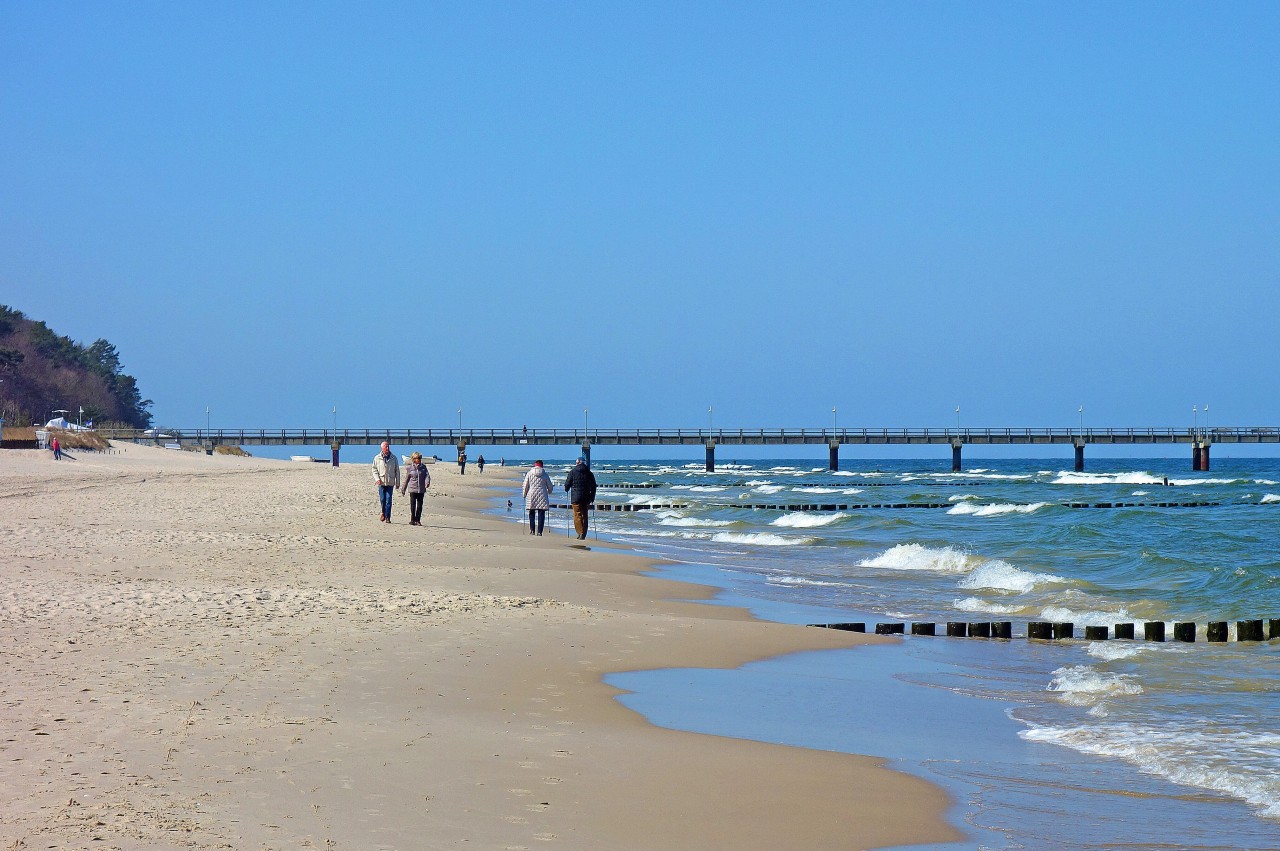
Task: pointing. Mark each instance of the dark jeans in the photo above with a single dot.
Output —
(415, 507)
(540, 514)
(384, 497)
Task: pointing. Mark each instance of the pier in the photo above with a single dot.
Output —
(1199, 439)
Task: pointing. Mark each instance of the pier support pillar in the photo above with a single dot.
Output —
(1079, 456)
(586, 452)
(336, 447)
(1195, 456)
(1204, 456)
(833, 455)
(711, 456)
(955, 455)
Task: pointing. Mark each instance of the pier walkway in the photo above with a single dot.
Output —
(1199, 439)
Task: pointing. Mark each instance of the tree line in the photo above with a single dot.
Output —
(42, 372)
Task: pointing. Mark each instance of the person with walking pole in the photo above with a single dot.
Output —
(581, 485)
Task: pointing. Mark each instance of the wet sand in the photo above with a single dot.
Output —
(219, 652)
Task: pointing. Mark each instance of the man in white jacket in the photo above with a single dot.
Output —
(386, 474)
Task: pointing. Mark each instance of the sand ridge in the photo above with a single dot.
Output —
(219, 652)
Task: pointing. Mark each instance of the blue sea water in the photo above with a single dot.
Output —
(1075, 744)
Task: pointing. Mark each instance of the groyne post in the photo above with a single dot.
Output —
(955, 455)
(1124, 631)
(833, 455)
(1185, 631)
(1217, 631)
(1153, 630)
(711, 456)
(1096, 633)
(923, 629)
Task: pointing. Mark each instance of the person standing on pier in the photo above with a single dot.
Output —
(537, 497)
(581, 485)
(417, 478)
(386, 474)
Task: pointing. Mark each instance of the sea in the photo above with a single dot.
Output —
(1041, 744)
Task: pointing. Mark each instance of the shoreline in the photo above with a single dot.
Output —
(382, 696)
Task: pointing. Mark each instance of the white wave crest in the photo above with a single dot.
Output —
(800, 580)
(1062, 614)
(973, 604)
(996, 509)
(1081, 685)
(999, 575)
(1130, 478)
(769, 488)
(807, 520)
(1271, 497)
(759, 539)
(692, 521)
(918, 557)
(1110, 651)
(1190, 756)
(821, 490)
(961, 497)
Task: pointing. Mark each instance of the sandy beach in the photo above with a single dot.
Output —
(222, 652)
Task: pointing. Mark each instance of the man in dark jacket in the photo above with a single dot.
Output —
(581, 485)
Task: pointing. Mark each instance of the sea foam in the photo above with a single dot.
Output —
(807, 520)
(759, 539)
(996, 509)
(1081, 685)
(998, 575)
(918, 557)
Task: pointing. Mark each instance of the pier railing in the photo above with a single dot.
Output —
(697, 436)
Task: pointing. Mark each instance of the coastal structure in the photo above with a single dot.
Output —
(1200, 439)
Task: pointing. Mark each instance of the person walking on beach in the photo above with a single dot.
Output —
(57, 449)
(480, 463)
(386, 473)
(416, 481)
(537, 497)
(462, 463)
(581, 485)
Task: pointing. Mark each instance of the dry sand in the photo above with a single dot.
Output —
(219, 652)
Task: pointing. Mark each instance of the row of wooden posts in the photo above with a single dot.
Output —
(1215, 631)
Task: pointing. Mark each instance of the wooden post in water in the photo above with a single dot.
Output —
(1040, 630)
(956, 629)
(980, 630)
(1153, 630)
(1217, 631)
(1249, 630)
(1124, 631)
(1273, 628)
(1184, 632)
(1002, 629)
(923, 629)
(1096, 633)
(1064, 630)
(889, 628)
(849, 627)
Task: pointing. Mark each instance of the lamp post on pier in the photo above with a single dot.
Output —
(710, 425)
(957, 417)
(835, 419)
(584, 424)
(207, 427)
(1081, 412)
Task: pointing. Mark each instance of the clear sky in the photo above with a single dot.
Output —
(525, 210)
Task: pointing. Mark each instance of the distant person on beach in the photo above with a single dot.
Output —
(480, 463)
(581, 485)
(462, 463)
(386, 473)
(57, 449)
(537, 497)
(416, 481)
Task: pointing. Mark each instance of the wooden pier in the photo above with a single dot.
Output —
(1199, 439)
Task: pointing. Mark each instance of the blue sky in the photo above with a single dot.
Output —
(522, 210)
